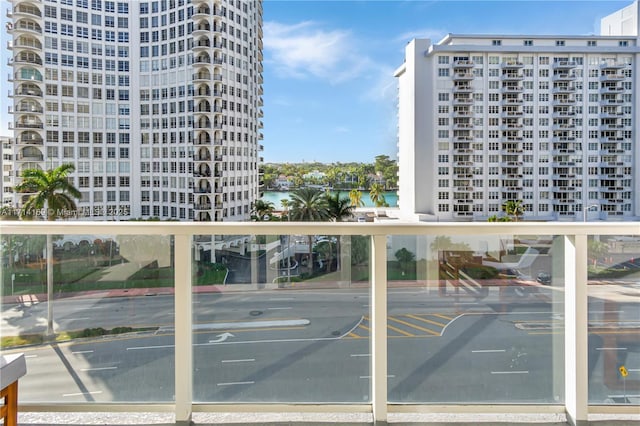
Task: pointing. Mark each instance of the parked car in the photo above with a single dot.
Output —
(544, 278)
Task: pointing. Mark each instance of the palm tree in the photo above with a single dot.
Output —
(513, 209)
(262, 209)
(53, 194)
(356, 198)
(339, 209)
(309, 205)
(377, 195)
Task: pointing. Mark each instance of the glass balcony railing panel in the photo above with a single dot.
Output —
(281, 319)
(614, 319)
(105, 336)
(475, 319)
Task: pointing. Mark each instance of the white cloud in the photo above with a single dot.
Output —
(431, 33)
(305, 50)
(341, 129)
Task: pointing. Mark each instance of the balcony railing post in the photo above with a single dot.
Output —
(183, 329)
(576, 329)
(379, 327)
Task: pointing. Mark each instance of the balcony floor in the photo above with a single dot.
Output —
(315, 419)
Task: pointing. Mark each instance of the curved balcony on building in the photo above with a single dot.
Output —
(201, 43)
(463, 63)
(26, 8)
(202, 123)
(202, 216)
(510, 75)
(562, 87)
(218, 203)
(564, 65)
(29, 121)
(203, 107)
(511, 88)
(511, 99)
(29, 105)
(204, 187)
(200, 29)
(30, 153)
(202, 76)
(202, 154)
(29, 137)
(460, 111)
(202, 138)
(202, 59)
(26, 26)
(563, 100)
(28, 73)
(27, 58)
(463, 76)
(26, 42)
(610, 76)
(202, 170)
(28, 165)
(564, 76)
(201, 11)
(462, 87)
(511, 65)
(462, 100)
(203, 202)
(611, 65)
(608, 87)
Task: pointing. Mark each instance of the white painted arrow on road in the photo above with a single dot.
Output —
(221, 337)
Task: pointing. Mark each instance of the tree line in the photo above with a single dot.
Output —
(383, 171)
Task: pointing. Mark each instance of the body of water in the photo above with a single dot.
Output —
(391, 197)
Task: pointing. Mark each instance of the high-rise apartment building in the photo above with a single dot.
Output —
(158, 104)
(548, 120)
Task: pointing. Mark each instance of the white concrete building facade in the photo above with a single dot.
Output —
(548, 120)
(158, 104)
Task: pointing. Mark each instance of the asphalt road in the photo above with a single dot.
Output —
(313, 346)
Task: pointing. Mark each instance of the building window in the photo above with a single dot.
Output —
(528, 42)
(623, 43)
(496, 42)
(592, 43)
(559, 42)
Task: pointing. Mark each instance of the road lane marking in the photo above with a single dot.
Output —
(355, 336)
(417, 327)
(275, 309)
(81, 393)
(359, 355)
(238, 360)
(611, 349)
(633, 369)
(77, 319)
(82, 352)
(235, 383)
(98, 368)
(428, 321)
(31, 356)
(397, 330)
(486, 351)
(281, 299)
(511, 372)
(442, 316)
(136, 348)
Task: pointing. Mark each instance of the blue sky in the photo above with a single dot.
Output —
(329, 91)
